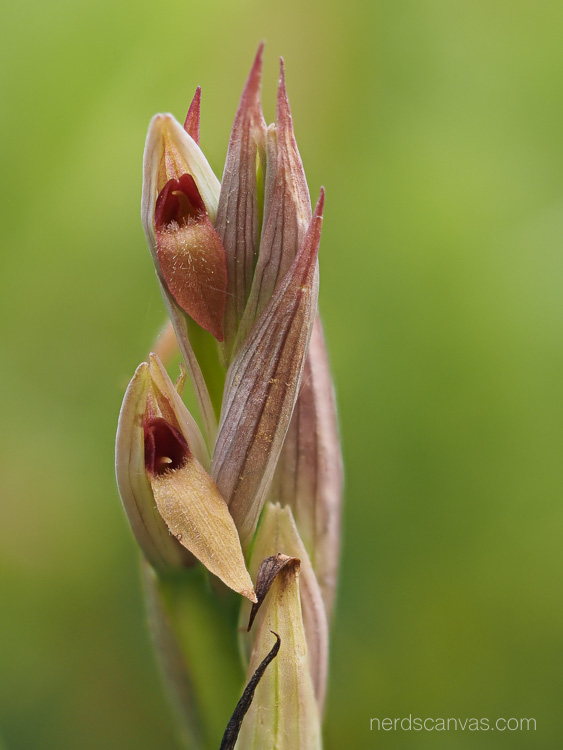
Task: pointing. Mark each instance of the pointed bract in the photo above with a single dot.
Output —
(287, 211)
(191, 125)
(309, 472)
(262, 386)
(278, 533)
(238, 214)
(284, 713)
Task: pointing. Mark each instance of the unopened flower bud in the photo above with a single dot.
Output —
(284, 713)
(277, 534)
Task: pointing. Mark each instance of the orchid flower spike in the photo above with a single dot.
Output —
(254, 489)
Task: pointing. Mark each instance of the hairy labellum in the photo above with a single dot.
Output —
(190, 253)
(196, 514)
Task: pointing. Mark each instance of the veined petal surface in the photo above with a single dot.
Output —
(262, 386)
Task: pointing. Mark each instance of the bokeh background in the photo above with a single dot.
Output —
(437, 130)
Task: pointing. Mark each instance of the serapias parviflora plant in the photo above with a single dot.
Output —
(247, 501)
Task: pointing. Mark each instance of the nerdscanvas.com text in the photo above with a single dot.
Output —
(438, 724)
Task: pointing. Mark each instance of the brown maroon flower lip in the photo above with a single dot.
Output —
(179, 201)
(190, 254)
(166, 448)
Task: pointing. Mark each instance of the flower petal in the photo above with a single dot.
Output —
(262, 386)
(196, 514)
(284, 713)
(172, 408)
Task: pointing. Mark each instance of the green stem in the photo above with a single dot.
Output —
(206, 349)
(194, 633)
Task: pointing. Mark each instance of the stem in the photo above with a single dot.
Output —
(194, 635)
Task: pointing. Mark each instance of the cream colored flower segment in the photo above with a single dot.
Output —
(158, 447)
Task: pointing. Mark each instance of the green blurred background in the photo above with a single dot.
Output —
(437, 130)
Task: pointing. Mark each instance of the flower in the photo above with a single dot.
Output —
(160, 459)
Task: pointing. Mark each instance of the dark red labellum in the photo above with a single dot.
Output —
(190, 254)
(179, 201)
(165, 447)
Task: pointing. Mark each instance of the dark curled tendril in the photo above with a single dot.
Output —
(233, 727)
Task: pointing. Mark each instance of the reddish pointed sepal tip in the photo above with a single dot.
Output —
(255, 75)
(319, 208)
(249, 106)
(166, 448)
(282, 73)
(283, 108)
(191, 125)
